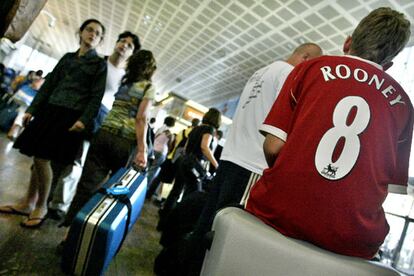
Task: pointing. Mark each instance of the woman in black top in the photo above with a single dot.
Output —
(58, 118)
(189, 166)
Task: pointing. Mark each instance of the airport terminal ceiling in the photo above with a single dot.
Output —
(207, 50)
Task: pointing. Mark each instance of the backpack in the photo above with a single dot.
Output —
(183, 141)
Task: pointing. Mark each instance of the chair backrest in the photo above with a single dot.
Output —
(244, 245)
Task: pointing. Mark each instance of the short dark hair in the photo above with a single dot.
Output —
(195, 122)
(92, 20)
(135, 39)
(381, 35)
(169, 121)
(212, 118)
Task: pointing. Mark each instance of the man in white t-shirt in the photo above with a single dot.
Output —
(242, 161)
(127, 44)
(66, 178)
(163, 143)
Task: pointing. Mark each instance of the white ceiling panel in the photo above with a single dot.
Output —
(206, 50)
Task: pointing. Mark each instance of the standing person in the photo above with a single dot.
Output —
(242, 160)
(163, 144)
(182, 138)
(6, 80)
(337, 141)
(152, 122)
(57, 118)
(123, 130)
(189, 170)
(23, 97)
(189, 167)
(167, 172)
(126, 45)
(66, 176)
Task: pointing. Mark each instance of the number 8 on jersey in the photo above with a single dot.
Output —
(350, 152)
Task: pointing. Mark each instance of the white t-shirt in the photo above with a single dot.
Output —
(113, 81)
(244, 143)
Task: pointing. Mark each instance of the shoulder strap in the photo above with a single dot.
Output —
(123, 198)
(147, 87)
(162, 132)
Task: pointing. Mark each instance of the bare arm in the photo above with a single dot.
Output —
(271, 147)
(141, 130)
(205, 149)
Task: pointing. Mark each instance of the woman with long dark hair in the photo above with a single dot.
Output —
(58, 118)
(189, 166)
(122, 132)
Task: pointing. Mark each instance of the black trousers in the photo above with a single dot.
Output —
(107, 154)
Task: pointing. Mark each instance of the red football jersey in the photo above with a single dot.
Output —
(348, 128)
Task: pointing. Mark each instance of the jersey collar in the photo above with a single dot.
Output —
(367, 61)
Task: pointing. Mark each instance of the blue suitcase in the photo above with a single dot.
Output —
(100, 227)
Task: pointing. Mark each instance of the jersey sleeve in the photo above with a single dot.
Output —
(403, 158)
(278, 120)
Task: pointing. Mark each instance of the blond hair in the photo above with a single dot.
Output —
(305, 47)
(381, 35)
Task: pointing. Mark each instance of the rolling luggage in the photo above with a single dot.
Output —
(100, 227)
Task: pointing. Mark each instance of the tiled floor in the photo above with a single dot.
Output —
(33, 252)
